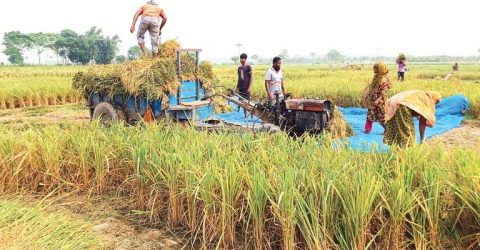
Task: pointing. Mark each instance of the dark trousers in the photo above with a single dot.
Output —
(244, 93)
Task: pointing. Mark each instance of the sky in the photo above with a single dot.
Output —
(266, 27)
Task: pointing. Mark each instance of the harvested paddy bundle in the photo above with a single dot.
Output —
(222, 106)
(401, 58)
(188, 67)
(149, 78)
(101, 79)
(168, 49)
(206, 75)
(339, 127)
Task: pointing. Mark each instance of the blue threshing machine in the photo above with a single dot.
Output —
(185, 105)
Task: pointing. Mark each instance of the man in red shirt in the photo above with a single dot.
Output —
(151, 14)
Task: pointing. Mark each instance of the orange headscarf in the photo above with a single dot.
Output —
(422, 102)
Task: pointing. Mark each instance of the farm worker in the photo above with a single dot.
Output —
(245, 79)
(402, 66)
(151, 14)
(401, 108)
(455, 67)
(375, 96)
(274, 80)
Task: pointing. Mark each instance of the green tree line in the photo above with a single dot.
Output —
(92, 46)
(335, 56)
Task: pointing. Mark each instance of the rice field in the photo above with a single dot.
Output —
(255, 191)
(344, 87)
(36, 86)
(40, 86)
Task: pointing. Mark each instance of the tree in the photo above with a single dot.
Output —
(15, 43)
(234, 59)
(66, 40)
(92, 38)
(75, 47)
(120, 59)
(334, 56)
(14, 55)
(134, 53)
(41, 42)
(107, 48)
(87, 47)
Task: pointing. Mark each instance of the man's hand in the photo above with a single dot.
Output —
(132, 29)
(249, 91)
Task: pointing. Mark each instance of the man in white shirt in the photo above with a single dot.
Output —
(274, 80)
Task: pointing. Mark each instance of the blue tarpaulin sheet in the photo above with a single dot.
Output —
(238, 117)
(449, 112)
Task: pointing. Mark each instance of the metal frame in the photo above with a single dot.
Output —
(179, 69)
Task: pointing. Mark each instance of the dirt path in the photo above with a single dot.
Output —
(468, 135)
(120, 228)
(45, 115)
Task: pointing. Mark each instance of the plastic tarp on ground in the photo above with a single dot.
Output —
(238, 117)
(449, 112)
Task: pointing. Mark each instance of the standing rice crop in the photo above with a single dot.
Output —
(262, 190)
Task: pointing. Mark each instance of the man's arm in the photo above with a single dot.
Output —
(135, 18)
(423, 123)
(164, 20)
(268, 79)
(266, 87)
(283, 88)
(250, 84)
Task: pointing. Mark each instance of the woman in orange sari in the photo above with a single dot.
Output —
(401, 108)
(375, 96)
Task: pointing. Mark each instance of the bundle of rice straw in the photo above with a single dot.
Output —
(221, 105)
(168, 49)
(339, 127)
(101, 79)
(206, 75)
(143, 77)
(151, 79)
(401, 58)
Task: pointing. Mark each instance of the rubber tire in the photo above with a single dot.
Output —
(133, 117)
(105, 112)
(121, 115)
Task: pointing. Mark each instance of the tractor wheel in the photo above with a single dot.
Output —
(105, 112)
(121, 115)
(133, 117)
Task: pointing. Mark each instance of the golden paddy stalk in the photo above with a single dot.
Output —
(257, 190)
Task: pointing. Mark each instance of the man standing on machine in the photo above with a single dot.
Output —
(151, 14)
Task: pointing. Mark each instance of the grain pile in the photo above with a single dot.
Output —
(143, 77)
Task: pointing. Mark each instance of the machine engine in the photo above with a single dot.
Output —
(300, 116)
